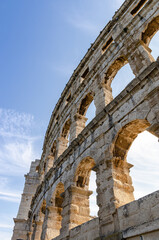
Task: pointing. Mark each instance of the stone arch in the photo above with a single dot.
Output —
(123, 188)
(52, 223)
(64, 139)
(38, 220)
(112, 71)
(66, 129)
(54, 218)
(84, 105)
(126, 136)
(80, 193)
(53, 149)
(83, 172)
(79, 119)
(52, 155)
(150, 30)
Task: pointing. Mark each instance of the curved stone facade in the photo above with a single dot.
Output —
(55, 201)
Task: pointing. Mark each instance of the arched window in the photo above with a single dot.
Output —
(118, 76)
(124, 151)
(54, 217)
(154, 46)
(123, 77)
(86, 101)
(84, 181)
(150, 36)
(143, 154)
(87, 108)
(66, 131)
(90, 114)
(38, 221)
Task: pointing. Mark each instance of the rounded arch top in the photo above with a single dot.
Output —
(112, 71)
(151, 29)
(66, 129)
(127, 135)
(83, 171)
(86, 101)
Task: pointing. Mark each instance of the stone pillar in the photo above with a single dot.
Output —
(114, 188)
(49, 163)
(103, 96)
(62, 145)
(75, 208)
(78, 124)
(37, 230)
(32, 180)
(52, 223)
(140, 57)
(20, 229)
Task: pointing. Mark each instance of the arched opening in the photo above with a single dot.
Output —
(54, 213)
(86, 101)
(150, 36)
(150, 30)
(52, 156)
(90, 114)
(87, 109)
(85, 113)
(143, 154)
(154, 46)
(38, 222)
(64, 139)
(82, 191)
(66, 129)
(123, 77)
(49, 161)
(118, 76)
(125, 138)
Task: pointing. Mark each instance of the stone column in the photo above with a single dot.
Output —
(52, 223)
(37, 230)
(140, 57)
(114, 188)
(50, 161)
(75, 208)
(103, 96)
(78, 124)
(62, 145)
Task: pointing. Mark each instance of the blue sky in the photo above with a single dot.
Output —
(41, 43)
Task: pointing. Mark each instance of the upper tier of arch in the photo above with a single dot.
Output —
(115, 46)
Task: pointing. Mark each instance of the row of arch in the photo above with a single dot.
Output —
(68, 208)
(72, 127)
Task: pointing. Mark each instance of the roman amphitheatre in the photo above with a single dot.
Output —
(55, 200)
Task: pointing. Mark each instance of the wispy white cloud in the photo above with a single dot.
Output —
(16, 142)
(10, 196)
(8, 226)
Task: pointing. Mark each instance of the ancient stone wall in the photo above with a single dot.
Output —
(55, 202)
